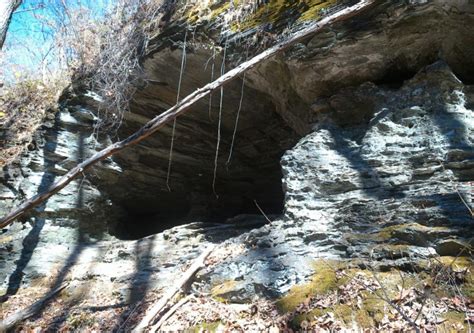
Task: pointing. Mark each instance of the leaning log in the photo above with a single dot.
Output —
(168, 116)
(158, 306)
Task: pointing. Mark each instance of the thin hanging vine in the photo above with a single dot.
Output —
(212, 79)
(236, 120)
(183, 64)
(219, 124)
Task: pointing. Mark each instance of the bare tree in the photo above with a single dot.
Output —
(7, 7)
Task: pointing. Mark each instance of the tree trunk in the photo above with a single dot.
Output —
(7, 7)
(159, 121)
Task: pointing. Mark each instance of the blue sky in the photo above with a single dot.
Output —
(27, 38)
(30, 36)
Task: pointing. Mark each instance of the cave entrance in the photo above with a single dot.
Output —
(248, 166)
(242, 198)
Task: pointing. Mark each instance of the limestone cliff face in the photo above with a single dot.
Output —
(386, 188)
(360, 141)
(407, 164)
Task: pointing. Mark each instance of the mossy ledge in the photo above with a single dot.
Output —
(245, 15)
(323, 281)
(370, 309)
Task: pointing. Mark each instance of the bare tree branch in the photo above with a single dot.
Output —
(40, 6)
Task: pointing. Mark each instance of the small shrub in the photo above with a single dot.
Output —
(23, 107)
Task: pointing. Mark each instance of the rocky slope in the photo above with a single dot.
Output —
(359, 140)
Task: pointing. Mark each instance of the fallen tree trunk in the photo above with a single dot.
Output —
(156, 123)
(156, 309)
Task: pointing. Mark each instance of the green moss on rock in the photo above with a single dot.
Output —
(277, 10)
(274, 12)
(77, 321)
(218, 10)
(219, 291)
(374, 307)
(454, 322)
(323, 280)
(465, 266)
(409, 233)
(315, 9)
(349, 315)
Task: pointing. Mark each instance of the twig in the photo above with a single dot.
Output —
(453, 283)
(238, 112)
(471, 211)
(169, 313)
(40, 6)
(464, 304)
(456, 189)
(158, 307)
(212, 79)
(128, 317)
(385, 297)
(261, 211)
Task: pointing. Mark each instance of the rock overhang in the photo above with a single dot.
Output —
(281, 97)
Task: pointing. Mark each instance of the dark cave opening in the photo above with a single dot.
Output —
(238, 196)
(248, 173)
(394, 77)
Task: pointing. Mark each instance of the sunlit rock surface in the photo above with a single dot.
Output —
(356, 188)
